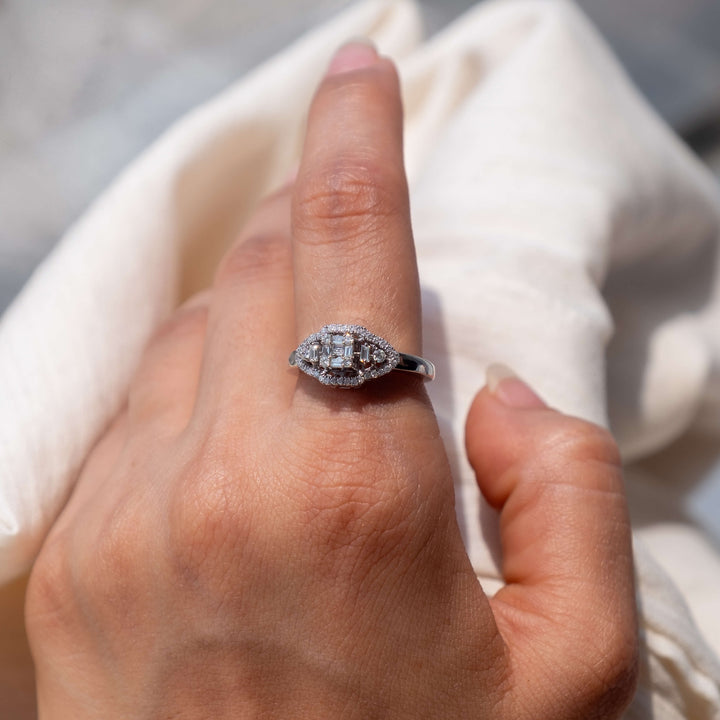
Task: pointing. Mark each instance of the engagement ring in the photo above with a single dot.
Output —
(347, 355)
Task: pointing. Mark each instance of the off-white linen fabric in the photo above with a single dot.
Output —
(560, 228)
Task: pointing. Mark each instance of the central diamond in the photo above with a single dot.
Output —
(341, 348)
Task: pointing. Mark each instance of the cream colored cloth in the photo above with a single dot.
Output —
(560, 228)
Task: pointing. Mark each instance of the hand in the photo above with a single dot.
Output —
(244, 542)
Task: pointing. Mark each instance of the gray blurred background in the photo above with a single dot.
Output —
(85, 85)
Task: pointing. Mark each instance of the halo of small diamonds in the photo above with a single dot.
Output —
(345, 356)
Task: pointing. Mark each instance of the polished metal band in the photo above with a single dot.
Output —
(417, 365)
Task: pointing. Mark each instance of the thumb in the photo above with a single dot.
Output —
(567, 612)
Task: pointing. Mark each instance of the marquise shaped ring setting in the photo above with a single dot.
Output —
(346, 356)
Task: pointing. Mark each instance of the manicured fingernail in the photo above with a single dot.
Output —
(352, 56)
(507, 387)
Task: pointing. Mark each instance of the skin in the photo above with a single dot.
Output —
(244, 542)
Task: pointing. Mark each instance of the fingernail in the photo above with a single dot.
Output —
(506, 386)
(353, 55)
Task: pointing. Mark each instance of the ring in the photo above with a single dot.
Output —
(347, 355)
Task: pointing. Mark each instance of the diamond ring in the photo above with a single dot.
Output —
(348, 355)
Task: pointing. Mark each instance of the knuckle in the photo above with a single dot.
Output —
(50, 596)
(114, 566)
(623, 671)
(207, 526)
(255, 258)
(185, 323)
(612, 672)
(97, 577)
(353, 500)
(185, 328)
(578, 440)
(352, 197)
(352, 521)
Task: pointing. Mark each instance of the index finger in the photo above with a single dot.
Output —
(353, 253)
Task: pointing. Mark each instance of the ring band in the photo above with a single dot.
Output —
(346, 356)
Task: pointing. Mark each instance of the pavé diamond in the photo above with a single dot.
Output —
(345, 355)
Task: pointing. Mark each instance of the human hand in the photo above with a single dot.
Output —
(245, 542)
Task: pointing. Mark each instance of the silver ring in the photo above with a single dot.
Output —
(346, 356)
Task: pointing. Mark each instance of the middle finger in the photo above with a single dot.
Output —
(353, 253)
(250, 325)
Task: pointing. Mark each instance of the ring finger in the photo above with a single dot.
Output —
(353, 253)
